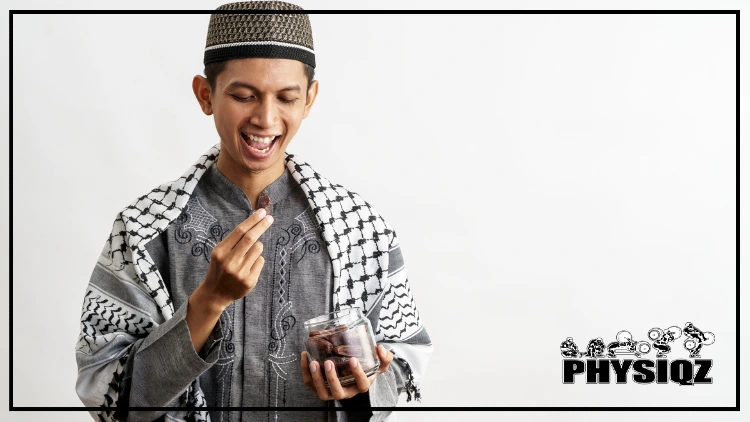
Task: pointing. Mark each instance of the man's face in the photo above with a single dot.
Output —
(256, 99)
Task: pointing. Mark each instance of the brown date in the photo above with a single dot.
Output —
(351, 351)
(319, 333)
(320, 346)
(342, 366)
(337, 328)
(328, 331)
(264, 201)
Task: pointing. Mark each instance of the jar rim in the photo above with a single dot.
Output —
(343, 315)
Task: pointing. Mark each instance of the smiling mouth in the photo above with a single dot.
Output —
(258, 144)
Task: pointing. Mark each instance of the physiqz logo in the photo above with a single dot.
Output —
(603, 359)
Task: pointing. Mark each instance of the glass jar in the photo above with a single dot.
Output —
(338, 337)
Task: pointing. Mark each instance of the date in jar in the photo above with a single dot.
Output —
(340, 336)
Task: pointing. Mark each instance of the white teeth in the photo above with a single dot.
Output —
(258, 139)
(260, 150)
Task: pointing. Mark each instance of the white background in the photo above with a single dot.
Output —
(548, 176)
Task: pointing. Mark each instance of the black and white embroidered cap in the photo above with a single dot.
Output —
(238, 35)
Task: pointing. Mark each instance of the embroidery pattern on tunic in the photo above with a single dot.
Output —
(291, 246)
(226, 362)
(208, 233)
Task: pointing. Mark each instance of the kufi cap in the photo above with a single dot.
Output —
(269, 35)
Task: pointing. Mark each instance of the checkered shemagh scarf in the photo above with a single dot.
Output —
(356, 236)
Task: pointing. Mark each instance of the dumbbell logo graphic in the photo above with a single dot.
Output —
(696, 339)
(625, 345)
(662, 338)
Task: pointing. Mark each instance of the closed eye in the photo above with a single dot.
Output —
(243, 99)
(246, 99)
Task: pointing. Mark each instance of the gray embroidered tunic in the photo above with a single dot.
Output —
(261, 334)
(327, 249)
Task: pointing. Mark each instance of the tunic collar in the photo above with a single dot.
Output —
(277, 191)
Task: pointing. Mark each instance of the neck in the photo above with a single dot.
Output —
(251, 182)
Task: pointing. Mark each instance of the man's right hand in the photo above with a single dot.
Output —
(233, 272)
(236, 262)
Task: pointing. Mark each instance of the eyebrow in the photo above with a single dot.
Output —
(239, 84)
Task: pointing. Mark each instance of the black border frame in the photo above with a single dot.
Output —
(736, 408)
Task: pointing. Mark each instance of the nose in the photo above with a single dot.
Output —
(265, 115)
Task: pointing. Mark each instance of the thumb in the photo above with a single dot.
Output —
(386, 357)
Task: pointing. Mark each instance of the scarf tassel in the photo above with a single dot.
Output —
(411, 386)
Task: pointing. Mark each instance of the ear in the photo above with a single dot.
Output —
(312, 92)
(202, 92)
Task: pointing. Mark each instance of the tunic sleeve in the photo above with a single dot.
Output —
(128, 353)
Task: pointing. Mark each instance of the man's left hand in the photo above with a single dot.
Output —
(312, 375)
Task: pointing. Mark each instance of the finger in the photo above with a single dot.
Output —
(386, 357)
(250, 237)
(256, 268)
(320, 386)
(304, 364)
(363, 384)
(333, 381)
(230, 241)
(252, 255)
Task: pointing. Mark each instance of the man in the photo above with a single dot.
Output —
(199, 295)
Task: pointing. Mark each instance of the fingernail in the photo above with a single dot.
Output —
(313, 367)
(270, 219)
(329, 366)
(262, 212)
(354, 362)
